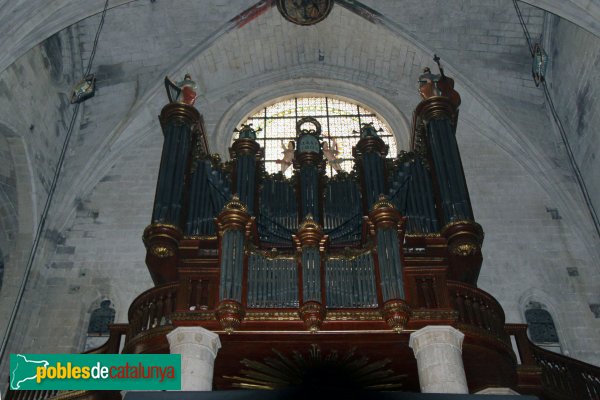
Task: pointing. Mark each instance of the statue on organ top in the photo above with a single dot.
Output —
(185, 91)
(436, 85)
(368, 130)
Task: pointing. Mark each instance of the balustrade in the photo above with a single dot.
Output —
(32, 394)
(562, 378)
(152, 309)
(477, 309)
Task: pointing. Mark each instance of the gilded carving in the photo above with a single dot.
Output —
(207, 237)
(235, 204)
(272, 316)
(310, 233)
(234, 216)
(384, 215)
(337, 315)
(162, 251)
(465, 249)
(396, 314)
(230, 315)
(193, 316)
(432, 314)
(160, 230)
(464, 237)
(312, 314)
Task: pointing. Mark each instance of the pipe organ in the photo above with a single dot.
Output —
(365, 256)
(309, 222)
(328, 282)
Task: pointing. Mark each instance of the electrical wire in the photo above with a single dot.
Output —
(524, 26)
(95, 45)
(561, 129)
(48, 203)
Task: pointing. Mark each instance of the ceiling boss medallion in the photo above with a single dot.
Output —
(304, 12)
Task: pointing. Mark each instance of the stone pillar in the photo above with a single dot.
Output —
(498, 390)
(438, 350)
(198, 348)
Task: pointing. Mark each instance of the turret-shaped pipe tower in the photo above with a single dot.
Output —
(434, 136)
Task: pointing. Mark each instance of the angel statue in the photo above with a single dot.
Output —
(185, 91)
(288, 155)
(331, 153)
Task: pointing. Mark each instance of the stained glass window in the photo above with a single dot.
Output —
(541, 326)
(338, 119)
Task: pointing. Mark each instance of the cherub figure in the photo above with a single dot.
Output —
(331, 154)
(288, 155)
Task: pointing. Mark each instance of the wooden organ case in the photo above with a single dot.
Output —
(347, 265)
(319, 280)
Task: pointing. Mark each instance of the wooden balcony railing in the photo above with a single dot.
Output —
(477, 310)
(31, 394)
(152, 309)
(562, 378)
(113, 344)
(62, 395)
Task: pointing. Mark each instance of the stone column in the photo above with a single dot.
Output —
(438, 350)
(499, 390)
(198, 348)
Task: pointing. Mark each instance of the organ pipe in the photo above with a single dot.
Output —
(370, 153)
(179, 121)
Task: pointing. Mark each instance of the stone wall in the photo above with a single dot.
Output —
(573, 71)
(34, 116)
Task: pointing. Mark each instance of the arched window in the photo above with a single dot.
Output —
(541, 328)
(100, 319)
(340, 123)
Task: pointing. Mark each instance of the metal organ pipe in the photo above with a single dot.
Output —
(448, 167)
(311, 274)
(209, 189)
(412, 194)
(374, 177)
(232, 265)
(178, 122)
(351, 282)
(272, 283)
(309, 189)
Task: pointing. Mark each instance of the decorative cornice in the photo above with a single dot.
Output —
(179, 113)
(310, 234)
(234, 216)
(385, 215)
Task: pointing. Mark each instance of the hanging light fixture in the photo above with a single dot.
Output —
(540, 63)
(86, 87)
